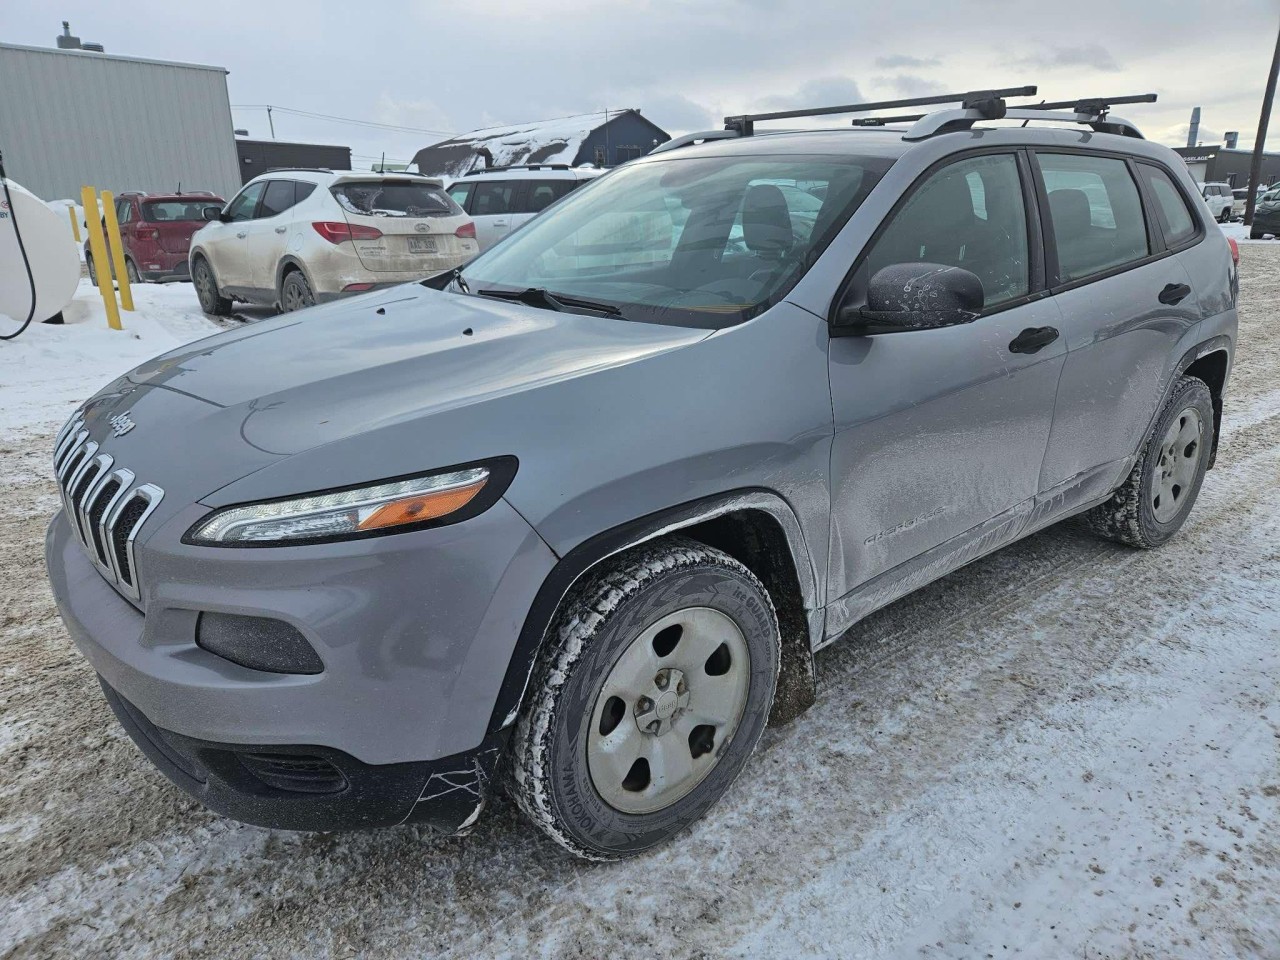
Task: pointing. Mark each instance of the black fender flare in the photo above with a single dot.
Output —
(1219, 344)
(582, 558)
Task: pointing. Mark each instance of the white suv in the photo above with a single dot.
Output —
(292, 238)
(1219, 198)
(499, 199)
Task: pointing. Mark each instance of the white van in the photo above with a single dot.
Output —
(499, 199)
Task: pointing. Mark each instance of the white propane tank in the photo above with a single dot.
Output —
(55, 262)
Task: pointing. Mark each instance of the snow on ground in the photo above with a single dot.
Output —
(1068, 749)
(51, 368)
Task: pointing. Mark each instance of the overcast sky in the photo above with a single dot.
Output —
(450, 67)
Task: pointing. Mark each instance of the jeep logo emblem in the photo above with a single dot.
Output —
(121, 424)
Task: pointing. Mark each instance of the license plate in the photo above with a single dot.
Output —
(422, 244)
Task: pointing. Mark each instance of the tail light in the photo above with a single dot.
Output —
(335, 231)
(1235, 250)
(467, 231)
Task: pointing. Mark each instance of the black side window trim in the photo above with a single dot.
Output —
(465, 203)
(1037, 264)
(1155, 236)
(1149, 198)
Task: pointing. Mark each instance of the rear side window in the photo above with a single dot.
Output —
(394, 198)
(969, 214)
(278, 198)
(1095, 213)
(493, 197)
(540, 195)
(1176, 219)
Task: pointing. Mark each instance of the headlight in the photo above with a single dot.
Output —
(387, 507)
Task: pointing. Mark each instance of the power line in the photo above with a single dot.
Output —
(334, 119)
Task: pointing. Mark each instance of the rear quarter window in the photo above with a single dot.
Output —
(1176, 218)
(394, 198)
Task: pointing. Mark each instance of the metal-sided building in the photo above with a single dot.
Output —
(1219, 164)
(259, 156)
(74, 117)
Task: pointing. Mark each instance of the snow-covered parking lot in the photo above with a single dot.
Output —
(1069, 749)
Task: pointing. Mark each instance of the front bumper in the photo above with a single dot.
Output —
(316, 788)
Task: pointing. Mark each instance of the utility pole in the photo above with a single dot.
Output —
(1255, 168)
(272, 123)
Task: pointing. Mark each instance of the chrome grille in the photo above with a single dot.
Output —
(103, 505)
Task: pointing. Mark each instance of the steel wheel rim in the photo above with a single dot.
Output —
(667, 709)
(1177, 461)
(203, 284)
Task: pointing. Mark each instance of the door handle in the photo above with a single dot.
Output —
(282, 229)
(242, 235)
(1032, 339)
(1173, 293)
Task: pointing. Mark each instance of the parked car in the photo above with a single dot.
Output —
(1219, 198)
(155, 232)
(580, 523)
(499, 199)
(1266, 216)
(292, 238)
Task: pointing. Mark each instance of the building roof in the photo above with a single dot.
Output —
(540, 141)
(94, 54)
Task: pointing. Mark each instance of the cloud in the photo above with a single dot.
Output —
(676, 113)
(819, 92)
(1090, 55)
(895, 61)
(910, 85)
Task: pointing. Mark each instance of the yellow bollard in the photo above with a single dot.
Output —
(98, 249)
(75, 224)
(117, 248)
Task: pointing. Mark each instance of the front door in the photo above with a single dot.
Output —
(940, 434)
(225, 243)
(493, 205)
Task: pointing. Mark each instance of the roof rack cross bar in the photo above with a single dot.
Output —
(1090, 104)
(745, 123)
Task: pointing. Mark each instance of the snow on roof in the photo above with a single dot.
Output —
(540, 141)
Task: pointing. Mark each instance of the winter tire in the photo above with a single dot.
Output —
(93, 271)
(651, 696)
(211, 302)
(295, 292)
(131, 271)
(1161, 489)
(1255, 234)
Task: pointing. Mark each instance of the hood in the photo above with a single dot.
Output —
(305, 379)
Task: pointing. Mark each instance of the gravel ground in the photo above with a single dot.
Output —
(1066, 749)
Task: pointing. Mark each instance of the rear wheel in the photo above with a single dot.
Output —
(1225, 215)
(1255, 234)
(211, 302)
(93, 271)
(1162, 487)
(649, 701)
(131, 271)
(295, 292)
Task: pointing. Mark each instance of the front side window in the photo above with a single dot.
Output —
(704, 242)
(1176, 219)
(1094, 212)
(970, 214)
(244, 205)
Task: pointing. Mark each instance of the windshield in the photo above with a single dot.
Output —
(193, 209)
(704, 242)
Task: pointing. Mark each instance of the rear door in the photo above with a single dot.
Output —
(493, 203)
(269, 233)
(416, 223)
(1125, 301)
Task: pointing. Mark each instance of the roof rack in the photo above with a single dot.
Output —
(519, 166)
(990, 100)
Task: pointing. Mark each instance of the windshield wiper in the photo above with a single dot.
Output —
(545, 299)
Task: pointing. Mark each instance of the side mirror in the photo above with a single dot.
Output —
(211, 213)
(914, 296)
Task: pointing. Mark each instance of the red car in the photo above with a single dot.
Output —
(156, 230)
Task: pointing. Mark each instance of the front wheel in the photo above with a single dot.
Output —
(1162, 487)
(93, 271)
(211, 302)
(649, 701)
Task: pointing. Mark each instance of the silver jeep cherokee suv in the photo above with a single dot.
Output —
(574, 517)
